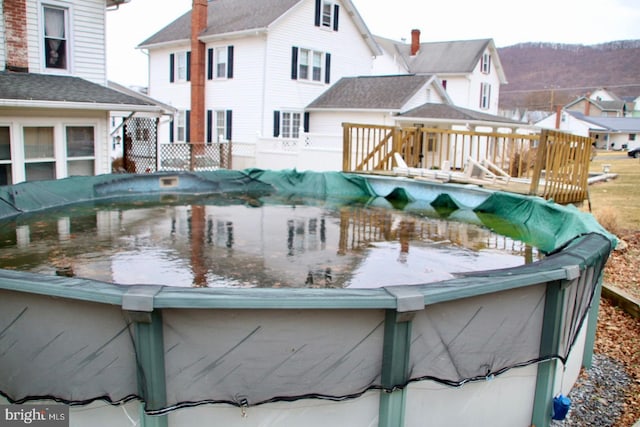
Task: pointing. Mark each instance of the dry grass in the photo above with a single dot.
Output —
(616, 202)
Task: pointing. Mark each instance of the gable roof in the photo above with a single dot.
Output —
(52, 91)
(444, 57)
(371, 92)
(228, 17)
(616, 106)
(611, 124)
(455, 113)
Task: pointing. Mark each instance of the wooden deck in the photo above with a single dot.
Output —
(550, 164)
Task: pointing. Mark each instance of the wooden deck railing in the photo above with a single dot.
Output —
(550, 164)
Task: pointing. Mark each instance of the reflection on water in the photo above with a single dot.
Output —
(254, 245)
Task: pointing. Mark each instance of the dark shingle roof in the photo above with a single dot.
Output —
(614, 124)
(371, 92)
(52, 88)
(451, 112)
(460, 56)
(225, 16)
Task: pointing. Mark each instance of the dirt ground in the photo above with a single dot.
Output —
(618, 334)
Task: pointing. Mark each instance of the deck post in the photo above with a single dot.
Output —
(549, 344)
(541, 157)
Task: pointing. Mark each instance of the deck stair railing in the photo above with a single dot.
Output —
(550, 164)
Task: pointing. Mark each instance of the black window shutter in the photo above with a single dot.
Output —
(188, 66)
(336, 14)
(294, 63)
(187, 124)
(209, 125)
(306, 122)
(210, 64)
(229, 124)
(230, 62)
(318, 12)
(172, 61)
(171, 123)
(276, 124)
(327, 68)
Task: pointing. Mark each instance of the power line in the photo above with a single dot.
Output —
(559, 89)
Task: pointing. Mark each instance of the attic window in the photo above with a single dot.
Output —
(55, 38)
(327, 13)
(485, 64)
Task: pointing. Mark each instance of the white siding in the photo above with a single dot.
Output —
(350, 56)
(86, 38)
(244, 93)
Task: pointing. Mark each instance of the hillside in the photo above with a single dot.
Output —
(542, 75)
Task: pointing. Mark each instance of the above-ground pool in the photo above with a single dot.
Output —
(330, 319)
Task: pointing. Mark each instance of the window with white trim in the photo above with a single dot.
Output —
(181, 127)
(221, 125)
(5, 156)
(290, 124)
(485, 63)
(39, 159)
(181, 66)
(327, 14)
(56, 36)
(310, 65)
(485, 96)
(80, 144)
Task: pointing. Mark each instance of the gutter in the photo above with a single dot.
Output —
(17, 103)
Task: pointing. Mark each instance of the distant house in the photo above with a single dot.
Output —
(469, 70)
(600, 103)
(612, 133)
(264, 62)
(54, 100)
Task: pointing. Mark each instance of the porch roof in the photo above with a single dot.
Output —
(454, 113)
(53, 91)
(371, 92)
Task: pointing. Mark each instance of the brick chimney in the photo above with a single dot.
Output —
(558, 115)
(15, 22)
(415, 41)
(198, 51)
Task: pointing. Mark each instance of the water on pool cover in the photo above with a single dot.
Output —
(253, 245)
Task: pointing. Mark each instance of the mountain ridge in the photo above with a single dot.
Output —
(542, 75)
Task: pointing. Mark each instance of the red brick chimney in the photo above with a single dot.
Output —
(15, 22)
(558, 115)
(198, 51)
(587, 104)
(415, 41)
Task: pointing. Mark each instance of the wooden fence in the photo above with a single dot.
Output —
(551, 164)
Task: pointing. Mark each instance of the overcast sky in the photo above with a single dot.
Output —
(506, 22)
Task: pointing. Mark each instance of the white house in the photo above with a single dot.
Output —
(469, 70)
(54, 99)
(611, 133)
(264, 63)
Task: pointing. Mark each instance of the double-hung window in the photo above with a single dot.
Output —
(56, 38)
(181, 126)
(485, 96)
(180, 66)
(80, 144)
(310, 65)
(220, 62)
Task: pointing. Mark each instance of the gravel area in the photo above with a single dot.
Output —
(598, 397)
